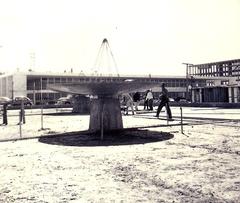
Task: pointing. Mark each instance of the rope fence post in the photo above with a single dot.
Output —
(20, 124)
(22, 113)
(102, 122)
(41, 105)
(102, 125)
(181, 121)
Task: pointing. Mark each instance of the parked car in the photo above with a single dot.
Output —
(184, 101)
(64, 101)
(51, 102)
(177, 99)
(18, 101)
(5, 100)
(156, 102)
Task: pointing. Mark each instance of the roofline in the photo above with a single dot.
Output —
(214, 78)
(211, 63)
(91, 75)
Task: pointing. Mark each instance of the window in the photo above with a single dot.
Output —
(30, 84)
(51, 80)
(63, 80)
(69, 80)
(44, 83)
(57, 80)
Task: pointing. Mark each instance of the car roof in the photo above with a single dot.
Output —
(5, 98)
(61, 98)
(22, 97)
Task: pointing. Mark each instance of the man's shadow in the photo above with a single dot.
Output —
(111, 138)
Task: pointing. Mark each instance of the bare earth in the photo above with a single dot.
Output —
(153, 164)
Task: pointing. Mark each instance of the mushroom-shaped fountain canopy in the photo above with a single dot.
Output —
(103, 88)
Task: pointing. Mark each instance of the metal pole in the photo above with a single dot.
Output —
(41, 107)
(22, 113)
(20, 123)
(181, 120)
(12, 89)
(102, 125)
(34, 93)
(187, 78)
(167, 115)
(102, 122)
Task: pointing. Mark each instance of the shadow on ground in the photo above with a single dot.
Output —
(113, 138)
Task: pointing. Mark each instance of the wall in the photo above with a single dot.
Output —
(19, 84)
(6, 87)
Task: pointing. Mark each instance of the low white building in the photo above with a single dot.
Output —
(34, 84)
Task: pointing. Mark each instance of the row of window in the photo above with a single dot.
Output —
(46, 97)
(38, 83)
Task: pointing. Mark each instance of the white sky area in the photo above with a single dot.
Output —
(145, 36)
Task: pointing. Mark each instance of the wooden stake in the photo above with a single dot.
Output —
(181, 121)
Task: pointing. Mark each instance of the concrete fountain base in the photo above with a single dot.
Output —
(105, 112)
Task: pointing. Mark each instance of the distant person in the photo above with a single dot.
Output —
(136, 100)
(150, 100)
(145, 104)
(122, 101)
(5, 120)
(129, 103)
(164, 102)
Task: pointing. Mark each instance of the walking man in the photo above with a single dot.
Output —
(145, 105)
(164, 102)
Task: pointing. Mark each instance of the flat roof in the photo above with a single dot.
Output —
(218, 62)
(58, 74)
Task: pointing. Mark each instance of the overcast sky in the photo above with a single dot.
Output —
(145, 36)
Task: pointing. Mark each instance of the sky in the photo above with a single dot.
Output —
(145, 36)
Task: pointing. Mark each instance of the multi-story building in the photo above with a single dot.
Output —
(230, 68)
(222, 84)
(34, 84)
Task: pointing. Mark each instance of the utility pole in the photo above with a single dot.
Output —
(12, 88)
(41, 105)
(34, 92)
(187, 79)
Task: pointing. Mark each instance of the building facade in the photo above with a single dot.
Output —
(34, 84)
(222, 81)
(229, 68)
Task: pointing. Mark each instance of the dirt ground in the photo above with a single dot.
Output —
(154, 163)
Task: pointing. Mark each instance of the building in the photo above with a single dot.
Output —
(222, 81)
(230, 68)
(34, 84)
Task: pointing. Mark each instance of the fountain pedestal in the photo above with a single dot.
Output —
(105, 112)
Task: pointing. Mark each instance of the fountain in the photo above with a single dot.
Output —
(105, 112)
(105, 109)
